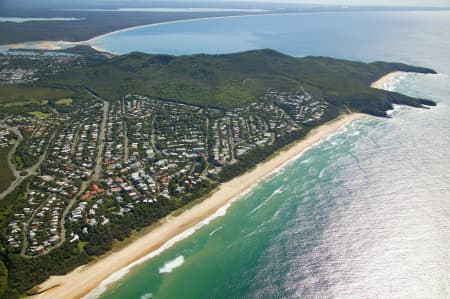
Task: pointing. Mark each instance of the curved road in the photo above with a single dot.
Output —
(29, 171)
(85, 185)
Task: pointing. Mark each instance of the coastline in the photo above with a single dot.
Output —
(91, 279)
(59, 45)
(381, 83)
(93, 39)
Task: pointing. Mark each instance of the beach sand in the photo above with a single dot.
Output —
(83, 280)
(58, 45)
(42, 45)
(381, 83)
(95, 38)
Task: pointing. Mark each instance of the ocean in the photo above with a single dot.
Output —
(363, 214)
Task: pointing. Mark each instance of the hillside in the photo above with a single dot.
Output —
(227, 81)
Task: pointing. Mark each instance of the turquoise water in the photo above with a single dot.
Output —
(364, 214)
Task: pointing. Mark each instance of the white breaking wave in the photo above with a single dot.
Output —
(171, 265)
(392, 83)
(147, 296)
(216, 230)
(322, 172)
(278, 191)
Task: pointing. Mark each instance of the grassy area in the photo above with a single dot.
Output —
(6, 176)
(23, 103)
(18, 162)
(31, 99)
(16, 94)
(81, 245)
(65, 101)
(39, 114)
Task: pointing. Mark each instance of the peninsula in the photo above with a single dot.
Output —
(105, 147)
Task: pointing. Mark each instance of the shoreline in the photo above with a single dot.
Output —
(58, 45)
(381, 83)
(93, 39)
(90, 280)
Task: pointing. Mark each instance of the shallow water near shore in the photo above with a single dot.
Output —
(365, 214)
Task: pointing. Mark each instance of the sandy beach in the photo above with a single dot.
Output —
(42, 45)
(83, 280)
(93, 39)
(380, 83)
(58, 45)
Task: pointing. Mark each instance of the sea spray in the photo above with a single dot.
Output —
(147, 296)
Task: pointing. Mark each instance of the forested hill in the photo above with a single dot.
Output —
(226, 81)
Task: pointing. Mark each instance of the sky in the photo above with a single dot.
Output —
(367, 2)
(81, 3)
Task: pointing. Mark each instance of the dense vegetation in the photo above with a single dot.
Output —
(6, 176)
(227, 81)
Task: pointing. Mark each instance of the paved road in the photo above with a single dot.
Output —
(85, 185)
(30, 171)
(17, 132)
(95, 176)
(231, 142)
(125, 136)
(101, 142)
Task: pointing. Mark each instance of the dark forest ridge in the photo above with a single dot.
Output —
(230, 80)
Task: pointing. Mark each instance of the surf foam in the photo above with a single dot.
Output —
(171, 265)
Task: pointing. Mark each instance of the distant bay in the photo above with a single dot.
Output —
(380, 35)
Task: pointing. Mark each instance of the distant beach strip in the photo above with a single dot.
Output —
(59, 45)
(166, 9)
(23, 20)
(383, 81)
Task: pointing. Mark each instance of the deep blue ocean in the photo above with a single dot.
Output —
(364, 214)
